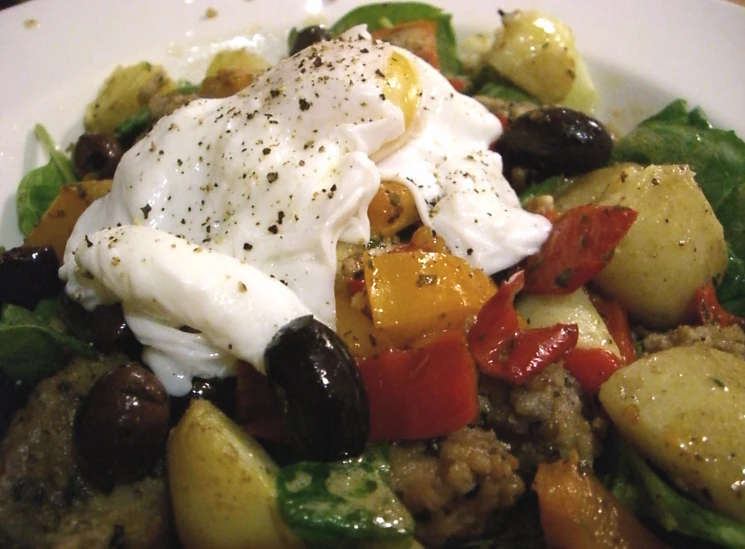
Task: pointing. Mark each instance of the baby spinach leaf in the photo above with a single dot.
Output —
(30, 348)
(39, 187)
(343, 504)
(638, 487)
(679, 136)
(388, 14)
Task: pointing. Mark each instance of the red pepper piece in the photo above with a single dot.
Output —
(496, 324)
(502, 350)
(579, 246)
(421, 393)
(618, 325)
(709, 311)
(591, 367)
(257, 409)
(532, 351)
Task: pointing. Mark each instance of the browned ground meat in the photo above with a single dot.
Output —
(455, 487)
(44, 500)
(730, 339)
(543, 420)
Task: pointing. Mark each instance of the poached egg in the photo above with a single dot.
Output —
(225, 218)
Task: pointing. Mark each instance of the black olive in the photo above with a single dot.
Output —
(121, 427)
(96, 156)
(320, 391)
(219, 391)
(309, 36)
(554, 141)
(28, 275)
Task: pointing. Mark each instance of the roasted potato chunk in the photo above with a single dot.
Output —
(222, 484)
(684, 409)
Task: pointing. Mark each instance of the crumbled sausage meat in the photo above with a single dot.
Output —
(455, 487)
(730, 339)
(543, 419)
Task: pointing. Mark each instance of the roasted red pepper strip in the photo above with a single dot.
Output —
(591, 367)
(502, 350)
(421, 393)
(709, 311)
(579, 246)
(496, 324)
(533, 350)
(618, 325)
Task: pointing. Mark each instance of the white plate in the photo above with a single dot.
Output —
(54, 54)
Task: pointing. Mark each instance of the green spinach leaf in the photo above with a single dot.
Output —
(39, 187)
(387, 14)
(30, 347)
(679, 136)
(343, 504)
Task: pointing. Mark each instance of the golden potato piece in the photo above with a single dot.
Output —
(230, 71)
(675, 246)
(684, 409)
(126, 91)
(222, 485)
(237, 59)
(537, 53)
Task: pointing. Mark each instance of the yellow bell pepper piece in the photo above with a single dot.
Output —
(58, 221)
(357, 329)
(391, 210)
(415, 293)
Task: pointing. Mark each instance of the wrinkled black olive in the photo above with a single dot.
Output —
(96, 156)
(219, 391)
(121, 427)
(320, 391)
(28, 275)
(554, 141)
(309, 36)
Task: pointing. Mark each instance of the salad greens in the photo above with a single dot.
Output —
(39, 187)
(388, 14)
(31, 345)
(640, 489)
(344, 504)
(679, 136)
